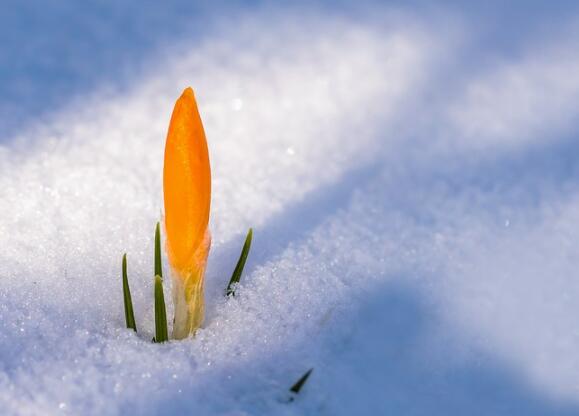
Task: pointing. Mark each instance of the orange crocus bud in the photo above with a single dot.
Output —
(187, 193)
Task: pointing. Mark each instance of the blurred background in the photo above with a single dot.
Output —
(55, 51)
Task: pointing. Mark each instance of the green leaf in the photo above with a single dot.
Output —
(129, 315)
(161, 333)
(300, 383)
(230, 291)
(158, 266)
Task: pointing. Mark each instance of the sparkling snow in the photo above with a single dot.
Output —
(416, 220)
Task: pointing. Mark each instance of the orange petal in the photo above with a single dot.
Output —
(186, 184)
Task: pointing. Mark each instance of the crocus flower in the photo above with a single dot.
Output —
(187, 193)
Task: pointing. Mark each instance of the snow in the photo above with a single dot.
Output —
(415, 221)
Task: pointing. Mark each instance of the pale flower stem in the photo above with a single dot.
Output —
(189, 304)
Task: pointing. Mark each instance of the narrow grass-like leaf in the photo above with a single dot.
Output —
(161, 333)
(300, 383)
(129, 314)
(158, 266)
(230, 291)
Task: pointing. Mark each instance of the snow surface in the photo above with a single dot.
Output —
(416, 221)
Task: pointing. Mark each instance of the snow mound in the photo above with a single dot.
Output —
(416, 247)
